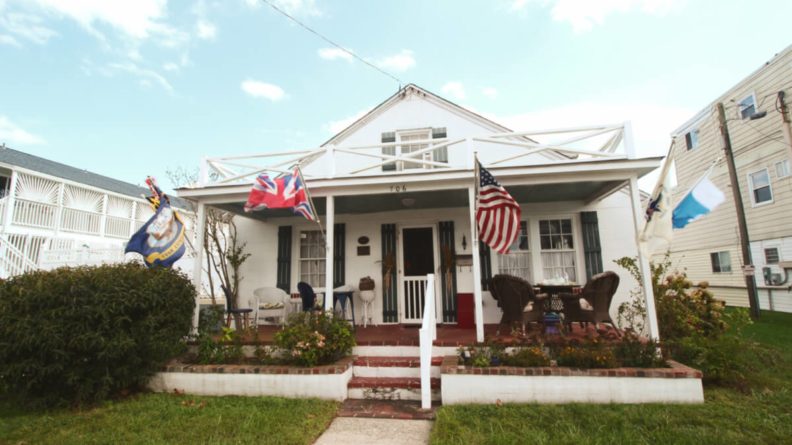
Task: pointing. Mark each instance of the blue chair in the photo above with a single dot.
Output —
(308, 296)
(342, 297)
(230, 312)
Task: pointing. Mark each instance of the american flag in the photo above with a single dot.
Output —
(287, 192)
(498, 214)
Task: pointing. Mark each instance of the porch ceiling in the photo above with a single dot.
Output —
(438, 199)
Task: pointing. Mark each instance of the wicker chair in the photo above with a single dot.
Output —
(513, 295)
(598, 292)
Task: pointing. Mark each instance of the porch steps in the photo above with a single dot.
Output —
(387, 409)
(381, 388)
(393, 367)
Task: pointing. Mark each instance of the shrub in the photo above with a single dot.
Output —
(633, 351)
(84, 334)
(526, 357)
(589, 353)
(314, 338)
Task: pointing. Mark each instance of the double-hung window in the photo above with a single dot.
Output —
(558, 248)
(312, 258)
(409, 137)
(721, 262)
(747, 107)
(412, 148)
(782, 169)
(759, 183)
(518, 261)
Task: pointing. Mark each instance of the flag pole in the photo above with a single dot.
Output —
(476, 182)
(310, 202)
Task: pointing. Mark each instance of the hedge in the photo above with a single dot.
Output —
(87, 333)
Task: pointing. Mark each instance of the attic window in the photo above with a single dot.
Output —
(692, 140)
(747, 107)
(439, 133)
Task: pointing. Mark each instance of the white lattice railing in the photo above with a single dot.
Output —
(80, 221)
(117, 227)
(427, 335)
(35, 214)
(51, 259)
(589, 143)
(12, 261)
(2, 209)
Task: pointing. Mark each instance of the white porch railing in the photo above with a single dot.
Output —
(12, 260)
(80, 221)
(593, 142)
(51, 259)
(427, 335)
(415, 292)
(117, 227)
(3, 202)
(35, 214)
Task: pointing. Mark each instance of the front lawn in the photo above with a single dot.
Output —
(162, 419)
(727, 416)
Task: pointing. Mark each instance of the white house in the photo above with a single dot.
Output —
(400, 181)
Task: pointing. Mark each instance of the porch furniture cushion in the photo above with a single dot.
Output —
(513, 295)
(265, 306)
(585, 305)
(598, 292)
(245, 312)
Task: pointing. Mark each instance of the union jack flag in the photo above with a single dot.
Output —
(287, 192)
(498, 213)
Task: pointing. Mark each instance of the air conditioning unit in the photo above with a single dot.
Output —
(776, 279)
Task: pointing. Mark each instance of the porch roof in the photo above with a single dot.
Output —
(582, 180)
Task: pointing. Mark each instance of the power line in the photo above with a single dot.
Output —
(333, 43)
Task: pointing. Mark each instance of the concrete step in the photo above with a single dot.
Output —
(393, 367)
(374, 388)
(387, 409)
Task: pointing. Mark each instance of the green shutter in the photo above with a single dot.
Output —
(389, 302)
(339, 255)
(449, 297)
(486, 265)
(390, 151)
(591, 243)
(441, 154)
(284, 258)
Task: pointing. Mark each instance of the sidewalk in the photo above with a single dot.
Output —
(359, 431)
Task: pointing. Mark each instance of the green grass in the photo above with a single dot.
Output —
(162, 419)
(726, 417)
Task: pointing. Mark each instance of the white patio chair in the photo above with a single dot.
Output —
(269, 302)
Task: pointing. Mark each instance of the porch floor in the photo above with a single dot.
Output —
(447, 335)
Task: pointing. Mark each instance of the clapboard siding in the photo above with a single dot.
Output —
(757, 144)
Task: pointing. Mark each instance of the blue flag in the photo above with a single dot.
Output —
(161, 239)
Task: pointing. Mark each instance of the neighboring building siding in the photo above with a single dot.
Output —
(756, 144)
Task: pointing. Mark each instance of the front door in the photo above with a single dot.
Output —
(418, 260)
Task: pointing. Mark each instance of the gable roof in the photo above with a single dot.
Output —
(24, 160)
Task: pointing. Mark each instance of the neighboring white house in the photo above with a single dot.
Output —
(709, 249)
(400, 181)
(53, 215)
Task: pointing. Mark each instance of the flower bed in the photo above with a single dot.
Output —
(468, 384)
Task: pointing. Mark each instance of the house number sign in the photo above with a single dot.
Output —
(398, 188)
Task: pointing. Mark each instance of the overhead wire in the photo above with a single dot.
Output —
(333, 43)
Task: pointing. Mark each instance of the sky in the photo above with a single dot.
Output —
(131, 88)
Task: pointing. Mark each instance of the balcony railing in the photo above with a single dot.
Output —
(117, 227)
(2, 209)
(35, 214)
(80, 221)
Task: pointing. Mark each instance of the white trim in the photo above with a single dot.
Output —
(720, 262)
(751, 187)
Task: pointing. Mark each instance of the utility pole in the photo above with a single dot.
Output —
(750, 281)
(785, 124)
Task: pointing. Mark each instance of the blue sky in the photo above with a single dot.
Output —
(130, 88)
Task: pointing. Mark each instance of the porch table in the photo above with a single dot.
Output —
(553, 291)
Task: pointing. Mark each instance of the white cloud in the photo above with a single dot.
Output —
(399, 62)
(13, 135)
(6, 39)
(291, 7)
(141, 73)
(170, 66)
(134, 55)
(336, 127)
(584, 14)
(455, 89)
(334, 53)
(27, 26)
(261, 89)
(492, 93)
(206, 30)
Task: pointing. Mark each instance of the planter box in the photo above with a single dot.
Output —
(465, 384)
(323, 382)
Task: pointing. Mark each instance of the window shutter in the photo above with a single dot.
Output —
(339, 255)
(591, 243)
(441, 154)
(390, 151)
(688, 141)
(486, 265)
(389, 305)
(284, 258)
(449, 297)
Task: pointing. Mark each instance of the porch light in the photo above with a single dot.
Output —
(464, 242)
(408, 202)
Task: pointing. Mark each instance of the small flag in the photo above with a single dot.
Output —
(161, 239)
(498, 214)
(287, 192)
(658, 231)
(700, 200)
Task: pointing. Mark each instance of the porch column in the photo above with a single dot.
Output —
(643, 262)
(478, 302)
(330, 224)
(200, 229)
(9, 209)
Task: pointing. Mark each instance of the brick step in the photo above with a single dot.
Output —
(394, 362)
(377, 382)
(387, 409)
